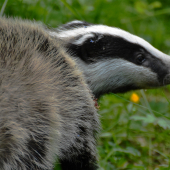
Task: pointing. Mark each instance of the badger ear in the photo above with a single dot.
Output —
(74, 24)
(84, 46)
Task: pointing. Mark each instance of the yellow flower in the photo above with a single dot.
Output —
(134, 98)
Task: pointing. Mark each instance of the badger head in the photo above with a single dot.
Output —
(114, 60)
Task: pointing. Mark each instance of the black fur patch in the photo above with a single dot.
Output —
(102, 47)
(83, 161)
(37, 148)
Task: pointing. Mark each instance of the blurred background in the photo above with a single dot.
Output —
(135, 131)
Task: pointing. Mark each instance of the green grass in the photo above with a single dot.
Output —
(133, 136)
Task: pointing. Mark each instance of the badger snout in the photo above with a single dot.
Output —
(166, 80)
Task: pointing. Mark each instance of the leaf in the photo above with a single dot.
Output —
(156, 4)
(148, 119)
(129, 150)
(141, 7)
(133, 151)
(130, 107)
(105, 135)
(164, 123)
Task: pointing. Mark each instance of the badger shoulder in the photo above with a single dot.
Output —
(46, 108)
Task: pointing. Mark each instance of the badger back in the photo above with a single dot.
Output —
(44, 100)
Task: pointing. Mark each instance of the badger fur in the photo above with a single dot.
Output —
(113, 60)
(46, 107)
(47, 76)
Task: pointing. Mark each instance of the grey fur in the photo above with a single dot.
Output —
(46, 108)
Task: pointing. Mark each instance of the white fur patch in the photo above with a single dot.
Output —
(83, 39)
(111, 74)
(55, 34)
(74, 22)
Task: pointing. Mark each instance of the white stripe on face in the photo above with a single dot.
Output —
(101, 29)
(83, 39)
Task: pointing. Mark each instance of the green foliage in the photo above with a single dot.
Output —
(134, 136)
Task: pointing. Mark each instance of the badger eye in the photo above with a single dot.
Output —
(140, 58)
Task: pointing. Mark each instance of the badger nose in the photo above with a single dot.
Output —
(166, 80)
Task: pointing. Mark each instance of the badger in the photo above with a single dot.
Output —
(48, 78)
(113, 60)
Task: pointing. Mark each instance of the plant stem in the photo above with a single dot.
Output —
(3, 8)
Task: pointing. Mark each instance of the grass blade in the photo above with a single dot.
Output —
(3, 8)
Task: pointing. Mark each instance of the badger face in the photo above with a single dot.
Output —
(114, 60)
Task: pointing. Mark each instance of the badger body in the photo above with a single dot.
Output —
(46, 108)
(48, 79)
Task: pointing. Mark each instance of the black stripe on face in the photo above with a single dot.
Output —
(102, 47)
